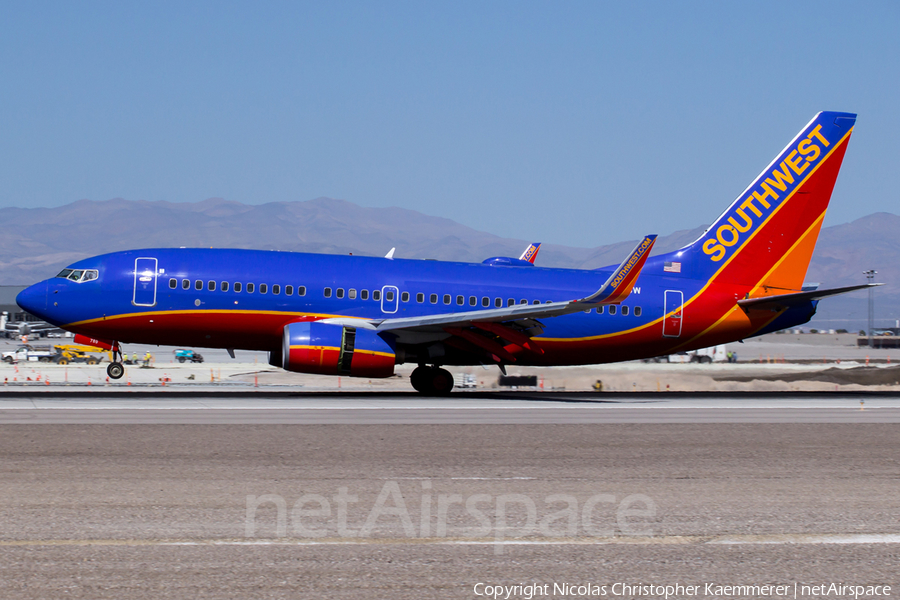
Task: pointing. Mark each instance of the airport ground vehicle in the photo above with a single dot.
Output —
(71, 353)
(464, 380)
(61, 354)
(700, 355)
(29, 353)
(359, 316)
(182, 355)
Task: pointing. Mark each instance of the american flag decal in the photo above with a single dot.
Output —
(672, 267)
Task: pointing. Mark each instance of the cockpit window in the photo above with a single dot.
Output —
(79, 275)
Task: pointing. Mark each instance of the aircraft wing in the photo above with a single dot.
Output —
(614, 291)
(787, 300)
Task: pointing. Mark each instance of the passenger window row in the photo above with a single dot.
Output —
(625, 310)
(353, 294)
(224, 286)
(447, 299)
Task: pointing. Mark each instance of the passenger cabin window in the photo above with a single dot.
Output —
(340, 293)
(612, 309)
(185, 284)
(198, 285)
(250, 287)
(625, 311)
(637, 311)
(173, 283)
(301, 290)
(536, 302)
(263, 288)
(276, 289)
(446, 298)
(433, 298)
(485, 301)
(460, 300)
(420, 297)
(523, 301)
(211, 286)
(328, 292)
(389, 296)
(237, 287)
(351, 293)
(376, 295)
(498, 302)
(223, 286)
(404, 297)
(288, 290)
(510, 301)
(599, 310)
(364, 294)
(473, 300)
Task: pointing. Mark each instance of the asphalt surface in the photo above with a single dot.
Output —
(269, 407)
(136, 507)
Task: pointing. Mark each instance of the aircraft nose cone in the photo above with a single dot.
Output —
(34, 299)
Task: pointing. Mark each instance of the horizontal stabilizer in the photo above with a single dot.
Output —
(789, 300)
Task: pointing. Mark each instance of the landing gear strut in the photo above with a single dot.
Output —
(115, 369)
(431, 380)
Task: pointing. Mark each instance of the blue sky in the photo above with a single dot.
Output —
(580, 123)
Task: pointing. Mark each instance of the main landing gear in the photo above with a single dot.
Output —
(431, 380)
(115, 369)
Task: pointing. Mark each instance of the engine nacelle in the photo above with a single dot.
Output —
(327, 349)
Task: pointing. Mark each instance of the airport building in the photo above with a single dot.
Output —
(15, 316)
(8, 304)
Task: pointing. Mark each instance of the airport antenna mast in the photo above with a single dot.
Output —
(870, 275)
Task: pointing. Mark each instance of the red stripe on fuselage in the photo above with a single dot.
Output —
(220, 329)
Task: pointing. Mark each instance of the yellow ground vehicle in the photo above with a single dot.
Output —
(68, 353)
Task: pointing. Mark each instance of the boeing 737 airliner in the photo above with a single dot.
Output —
(360, 316)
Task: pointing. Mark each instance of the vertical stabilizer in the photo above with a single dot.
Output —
(767, 236)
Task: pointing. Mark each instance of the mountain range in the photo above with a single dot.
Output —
(38, 242)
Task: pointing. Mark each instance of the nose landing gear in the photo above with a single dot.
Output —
(115, 369)
(431, 380)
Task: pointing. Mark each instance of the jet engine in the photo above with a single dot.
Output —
(329, 349)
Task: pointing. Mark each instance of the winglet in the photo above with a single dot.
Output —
(618, 286)
(390, 254)
(531, 252)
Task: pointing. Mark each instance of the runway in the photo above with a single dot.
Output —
(267, 407)
(274, 496)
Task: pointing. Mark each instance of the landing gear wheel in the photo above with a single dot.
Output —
(115, 370)
(441, 382)
(419, 379)
(431, 380)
